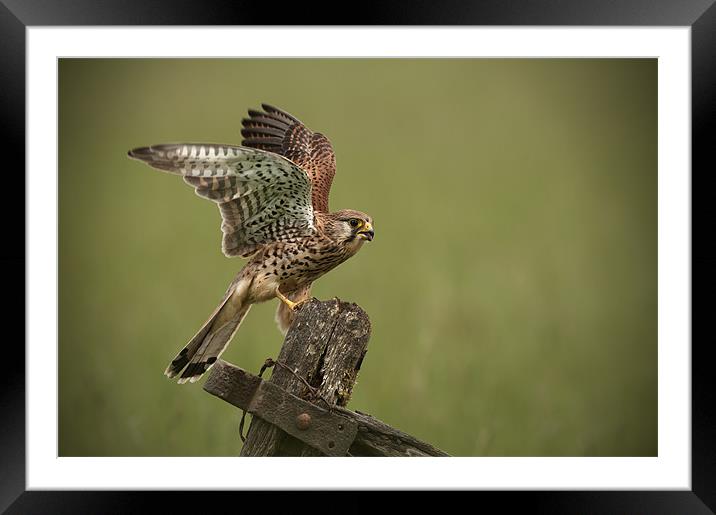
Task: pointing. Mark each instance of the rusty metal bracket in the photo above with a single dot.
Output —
(331, 432)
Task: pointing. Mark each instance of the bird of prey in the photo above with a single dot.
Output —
(272, 193)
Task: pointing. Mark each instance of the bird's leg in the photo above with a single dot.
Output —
(291, 305)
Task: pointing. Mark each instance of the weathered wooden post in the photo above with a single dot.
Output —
(325, 345)
(316, 368)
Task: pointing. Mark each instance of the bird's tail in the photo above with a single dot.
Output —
(202, 351)
(284, 316)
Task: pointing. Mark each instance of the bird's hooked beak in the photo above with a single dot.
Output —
(366, 232)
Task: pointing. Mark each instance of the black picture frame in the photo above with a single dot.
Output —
(16, 15)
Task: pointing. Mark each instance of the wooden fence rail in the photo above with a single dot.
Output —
(300, 410)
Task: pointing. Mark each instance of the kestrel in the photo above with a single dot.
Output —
(272, 193)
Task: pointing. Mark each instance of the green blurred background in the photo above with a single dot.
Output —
(512, 284)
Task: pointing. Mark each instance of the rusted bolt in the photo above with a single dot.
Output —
(303, 421)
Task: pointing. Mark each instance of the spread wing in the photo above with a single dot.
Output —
(279, 132)
(262, 196)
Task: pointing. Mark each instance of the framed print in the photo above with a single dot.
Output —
(529, 304)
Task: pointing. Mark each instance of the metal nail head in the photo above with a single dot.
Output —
(303, 421)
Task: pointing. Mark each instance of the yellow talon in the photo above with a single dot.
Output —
(291, 305)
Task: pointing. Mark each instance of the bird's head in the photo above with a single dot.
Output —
(350, 227)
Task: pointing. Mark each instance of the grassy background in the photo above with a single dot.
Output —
(511, 285)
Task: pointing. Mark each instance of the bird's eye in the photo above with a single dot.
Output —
(354, 222)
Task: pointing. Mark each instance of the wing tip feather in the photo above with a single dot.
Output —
(138, 153)
(276, 111)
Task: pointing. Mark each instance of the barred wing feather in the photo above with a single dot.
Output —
(277, 131)
(263, 197)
